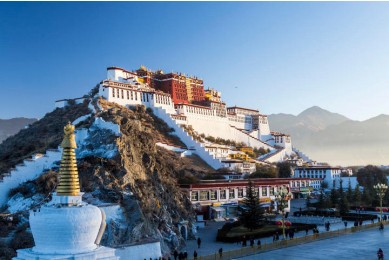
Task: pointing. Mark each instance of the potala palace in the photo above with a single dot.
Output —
(183, 103)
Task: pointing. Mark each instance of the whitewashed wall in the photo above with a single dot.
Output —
(29, 170)
(187, 139)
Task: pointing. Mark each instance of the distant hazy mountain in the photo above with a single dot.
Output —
(312, 119)
(333, 138)
(9, 127)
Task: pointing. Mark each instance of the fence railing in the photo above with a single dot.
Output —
(246, 251)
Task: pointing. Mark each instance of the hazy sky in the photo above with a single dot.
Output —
(276, 57)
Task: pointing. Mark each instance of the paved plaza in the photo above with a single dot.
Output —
(359, 245)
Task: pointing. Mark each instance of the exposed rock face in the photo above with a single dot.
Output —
(149, 173)
(139, 176)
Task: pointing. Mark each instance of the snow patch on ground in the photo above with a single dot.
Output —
(113, 213)
(81, 119)
(98, 140)
(92, 107)
(171, 148)
(19, 203)
(100, 123)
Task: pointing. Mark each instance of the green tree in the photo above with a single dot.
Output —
(366, 197)
(357, 195)
(264, 171)
(371, 175)
(324, 185)
(349, 192)
(321, 202)
(284, 170)
(334, 197)
(252, 212)
(343, 205)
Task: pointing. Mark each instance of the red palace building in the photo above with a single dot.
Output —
(183, 89)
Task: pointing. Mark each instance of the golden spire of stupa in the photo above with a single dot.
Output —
(69, 184)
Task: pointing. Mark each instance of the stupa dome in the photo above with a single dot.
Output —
(65, 230)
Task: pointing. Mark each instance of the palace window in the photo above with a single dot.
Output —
(195, 196)
(232, 194)
(271, 191)
(264, 192)
(117, 93)
(122, 94)
(240, 193)
(223, 194)
(128, 94)
(213, 195)
(204, 195)
(113, 92)
(256, 192)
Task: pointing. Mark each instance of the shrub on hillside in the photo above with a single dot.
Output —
(21, 240)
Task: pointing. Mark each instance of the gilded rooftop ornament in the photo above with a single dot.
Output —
(69, 184)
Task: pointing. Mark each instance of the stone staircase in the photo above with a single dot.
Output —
(29, 170)
(301, 155)
(192, 145)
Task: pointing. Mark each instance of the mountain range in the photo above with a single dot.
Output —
(9, 127)
(330, 137)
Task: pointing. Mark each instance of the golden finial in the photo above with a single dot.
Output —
(69, 140)
(69, 184)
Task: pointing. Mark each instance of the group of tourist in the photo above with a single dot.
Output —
(251, 240)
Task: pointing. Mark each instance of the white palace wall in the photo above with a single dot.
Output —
(220, 127)
(133, 97)
(187, 139)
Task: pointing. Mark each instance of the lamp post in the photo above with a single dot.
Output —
(282, 195)
(380, 188)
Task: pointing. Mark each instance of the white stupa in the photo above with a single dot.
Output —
(66, 227)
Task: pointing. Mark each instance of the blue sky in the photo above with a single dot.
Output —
(280, 57)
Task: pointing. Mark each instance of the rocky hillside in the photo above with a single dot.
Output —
(141, 177)
(9, 127)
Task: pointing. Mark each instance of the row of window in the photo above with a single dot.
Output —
(144, 97)
(313, 176)
(162, 99)
(205, 195)
(201, 111)
(116, 93)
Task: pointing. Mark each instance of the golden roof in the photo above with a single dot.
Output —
(69, 184)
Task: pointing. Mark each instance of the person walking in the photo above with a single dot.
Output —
(175, 254)
(198, 243)
(380, 254)
(221, 252)
(259, 243)
(195, 255)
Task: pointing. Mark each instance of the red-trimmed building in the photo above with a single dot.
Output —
(217, 199)
(182, 88)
